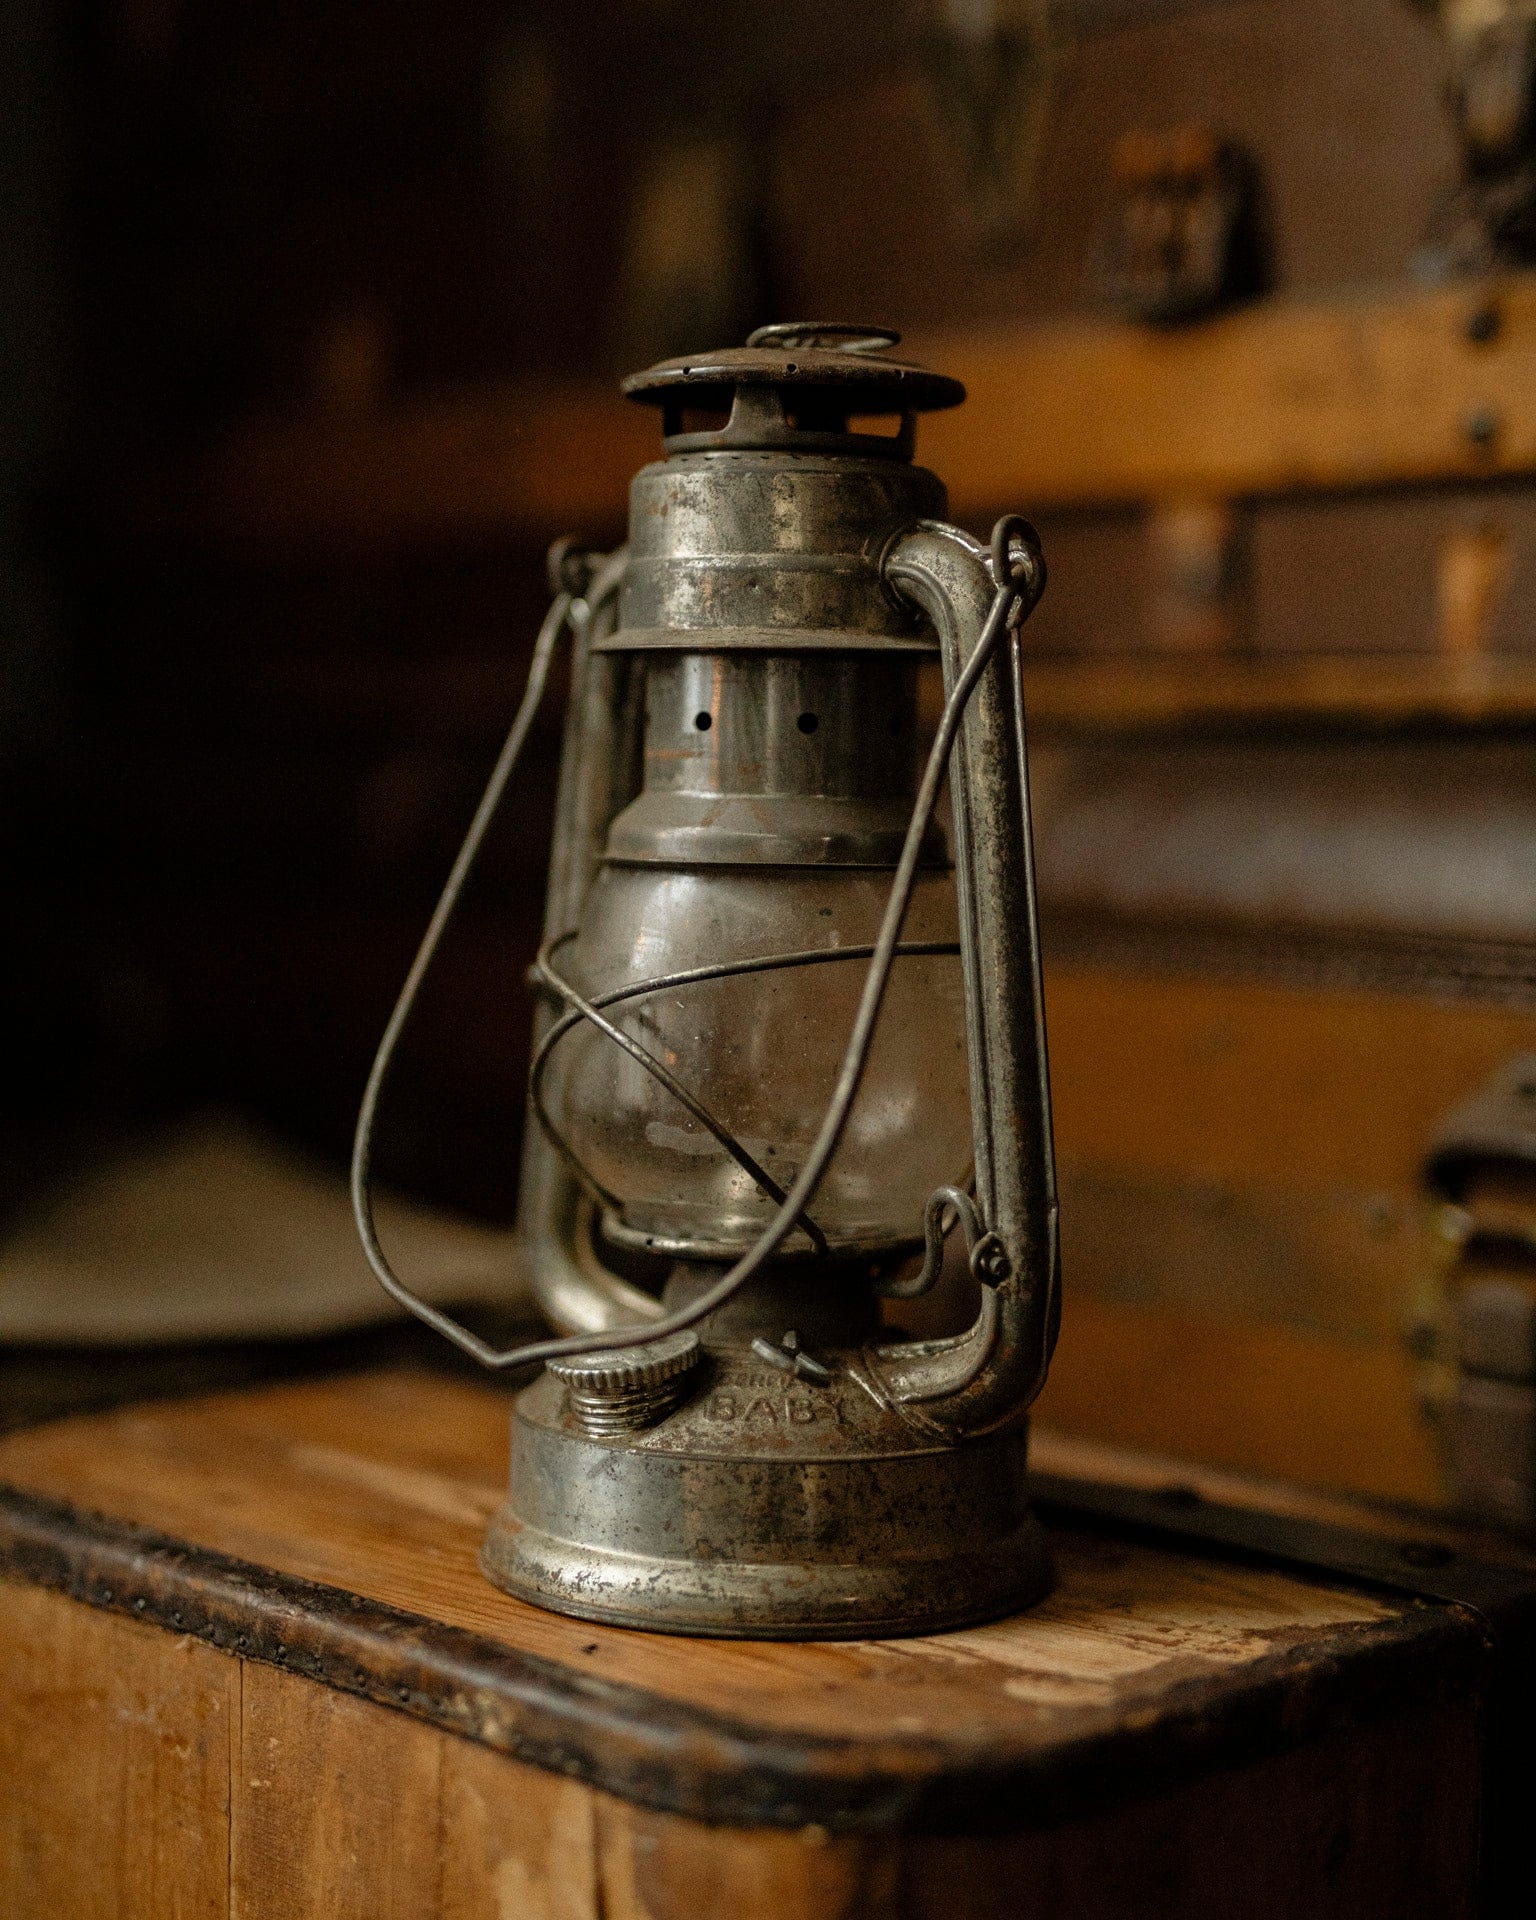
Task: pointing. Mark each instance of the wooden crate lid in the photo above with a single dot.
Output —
(332, 1527)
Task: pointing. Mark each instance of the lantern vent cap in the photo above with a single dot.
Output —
(834, 354)
(794, 387)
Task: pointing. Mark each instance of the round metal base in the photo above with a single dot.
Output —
(749, 1600)
(766, 1509)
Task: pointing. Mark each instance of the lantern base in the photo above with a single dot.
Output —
(766, 1508)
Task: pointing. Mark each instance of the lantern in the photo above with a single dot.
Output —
(790, 1036)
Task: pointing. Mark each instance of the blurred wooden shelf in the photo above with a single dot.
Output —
(1136, 692)
(1393, 387)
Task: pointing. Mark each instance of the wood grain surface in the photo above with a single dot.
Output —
(260, 1711)
(115, 1768)
(380, 1486)
(150, 1777)
(1129, 693)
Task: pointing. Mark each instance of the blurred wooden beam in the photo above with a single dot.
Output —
(1385, 389)
(1398, 387)
(1148, 692)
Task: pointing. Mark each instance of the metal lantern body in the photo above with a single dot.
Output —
(737, 790)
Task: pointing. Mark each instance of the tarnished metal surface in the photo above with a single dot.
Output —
(794, 385)
(767, 1505)
(779, 759)
(627, 1389)
(779, 568)
(730, 1110)
(756, 550)
(989, 1376)
(599, 773)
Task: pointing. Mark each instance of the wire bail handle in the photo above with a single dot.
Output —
(1017, 569)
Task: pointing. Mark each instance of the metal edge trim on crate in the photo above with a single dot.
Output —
(679, 1758)
(1395, 1560)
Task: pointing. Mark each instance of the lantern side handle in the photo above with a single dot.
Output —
(986, 1378)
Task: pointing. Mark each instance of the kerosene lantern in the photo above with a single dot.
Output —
(790, 1036)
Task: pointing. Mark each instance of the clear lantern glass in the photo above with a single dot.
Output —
(761, 1051)
(775, 797)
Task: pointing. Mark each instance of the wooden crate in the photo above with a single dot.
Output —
(248, 1667)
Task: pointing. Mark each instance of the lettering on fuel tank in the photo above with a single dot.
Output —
(747, 1408)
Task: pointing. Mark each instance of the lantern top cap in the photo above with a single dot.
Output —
(852, 360)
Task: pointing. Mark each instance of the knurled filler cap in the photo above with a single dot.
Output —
(622, 1389)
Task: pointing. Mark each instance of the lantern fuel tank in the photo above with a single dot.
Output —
(790, 1034)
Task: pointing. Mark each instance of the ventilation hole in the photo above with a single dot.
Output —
(704, 721)
(699, 419)
(877, 426)
(808, 723)
(816, 413)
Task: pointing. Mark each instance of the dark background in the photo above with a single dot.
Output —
(233, 771)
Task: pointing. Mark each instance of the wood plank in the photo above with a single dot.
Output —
(1264, 1398)
(336, 1807)
(1251, 1082)
(1365, 1827)
(1379, 389)
(1196, 1495)
(1287, 1123)
(379, 1487)
(654, 1866)
(335, 1811)
(115, 1745)
(517, 1844)
(1131, 694)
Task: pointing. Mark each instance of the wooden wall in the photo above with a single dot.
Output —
(322, 207)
